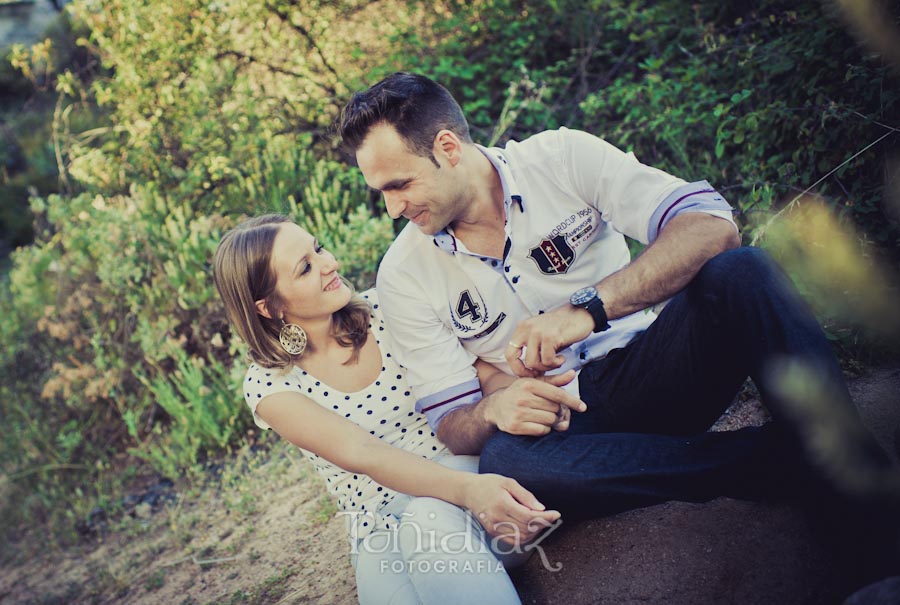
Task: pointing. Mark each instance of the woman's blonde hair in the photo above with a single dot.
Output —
(242, 271)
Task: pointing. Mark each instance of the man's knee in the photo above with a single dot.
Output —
(499, 454)
(492, 454)
(742, 268)
(746, 261)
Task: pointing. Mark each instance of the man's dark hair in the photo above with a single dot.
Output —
(416, 106)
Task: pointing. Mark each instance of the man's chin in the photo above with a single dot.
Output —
(428, 228)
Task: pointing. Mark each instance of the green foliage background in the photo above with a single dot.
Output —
(179, 118)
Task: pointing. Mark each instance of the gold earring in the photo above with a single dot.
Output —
(292, 338)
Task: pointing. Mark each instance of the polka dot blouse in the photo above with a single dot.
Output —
(385, 408)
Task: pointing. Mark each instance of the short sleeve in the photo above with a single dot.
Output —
(435, 360)
(260, 382)
(626, 192)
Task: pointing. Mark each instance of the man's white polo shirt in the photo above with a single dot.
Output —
(569, 199)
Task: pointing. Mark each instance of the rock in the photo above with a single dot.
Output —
(723, 551)
(94, 524)
(143, 510)
(877, 397)
(159, 493)
(24, 22)
(885, 592)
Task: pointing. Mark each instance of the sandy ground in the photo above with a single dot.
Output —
(265, 534)
(263, 531)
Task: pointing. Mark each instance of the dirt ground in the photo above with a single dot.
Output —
(262, 531)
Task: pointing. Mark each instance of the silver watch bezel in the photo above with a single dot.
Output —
(583, 296)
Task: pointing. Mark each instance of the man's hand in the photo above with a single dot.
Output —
(506, 509)
(543, 336)
(533, 406)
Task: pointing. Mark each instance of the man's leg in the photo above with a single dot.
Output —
(662, 391)
(597, 474)
(739, 317)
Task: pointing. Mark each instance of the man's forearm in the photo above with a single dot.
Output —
(465, 430)
(668, 265)
(519, 406)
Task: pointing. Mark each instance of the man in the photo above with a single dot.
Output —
(516, 257)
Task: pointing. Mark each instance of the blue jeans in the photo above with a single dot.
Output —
(643, 438)
(439, 554)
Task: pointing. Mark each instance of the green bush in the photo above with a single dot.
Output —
(762, 105)
(199, 114)
(763, 99)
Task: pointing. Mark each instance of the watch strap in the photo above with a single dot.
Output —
(595, 308)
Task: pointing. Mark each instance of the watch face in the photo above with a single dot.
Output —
(583, 296)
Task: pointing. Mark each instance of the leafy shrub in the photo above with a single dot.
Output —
(762, 99)
(763, 105)
(199, 114)
(139, 336)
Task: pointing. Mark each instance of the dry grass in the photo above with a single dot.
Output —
(261, 532)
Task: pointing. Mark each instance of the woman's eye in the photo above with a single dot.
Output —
(319, 248)
(306, 269)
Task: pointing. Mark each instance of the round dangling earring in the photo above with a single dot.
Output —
(292, 338)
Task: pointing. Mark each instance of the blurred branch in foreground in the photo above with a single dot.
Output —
(873, 24)
(835, 439)
(836, 269)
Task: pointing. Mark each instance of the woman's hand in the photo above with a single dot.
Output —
(507, 510)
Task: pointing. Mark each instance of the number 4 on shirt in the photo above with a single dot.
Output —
(466, 306)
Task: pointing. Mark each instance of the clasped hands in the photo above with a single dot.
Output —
(508, 511)
(536, 342)
(535, 404)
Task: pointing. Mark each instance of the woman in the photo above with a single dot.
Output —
(322, 376)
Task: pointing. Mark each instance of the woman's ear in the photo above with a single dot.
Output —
(262, 307)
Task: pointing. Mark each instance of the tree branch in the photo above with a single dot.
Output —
(304, 33)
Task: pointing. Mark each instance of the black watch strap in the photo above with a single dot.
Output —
(595, 308)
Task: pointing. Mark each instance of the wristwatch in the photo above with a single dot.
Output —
(588, 299)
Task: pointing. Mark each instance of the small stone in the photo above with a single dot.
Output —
(143, 510)
(884, 592)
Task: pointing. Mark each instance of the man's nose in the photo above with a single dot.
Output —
(394, 204)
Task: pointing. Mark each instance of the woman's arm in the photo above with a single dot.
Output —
(493, 498)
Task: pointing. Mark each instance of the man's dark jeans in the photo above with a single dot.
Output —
(643, 437)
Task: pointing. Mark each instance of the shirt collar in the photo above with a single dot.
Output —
(511, 193)
(445, 240)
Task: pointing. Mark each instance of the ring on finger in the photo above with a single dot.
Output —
(562, 415)
(515, 345)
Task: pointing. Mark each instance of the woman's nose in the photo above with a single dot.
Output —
(330, 263)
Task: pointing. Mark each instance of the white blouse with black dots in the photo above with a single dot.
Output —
(385, 408)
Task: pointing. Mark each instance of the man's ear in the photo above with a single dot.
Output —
(448, 146)
(262, 307)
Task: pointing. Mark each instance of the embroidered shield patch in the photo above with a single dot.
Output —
(553, 255)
